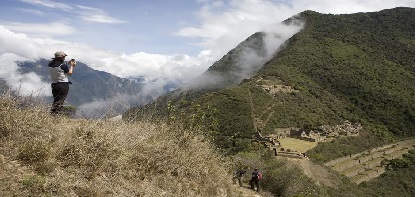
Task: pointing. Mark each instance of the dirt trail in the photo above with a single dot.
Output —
(252, 111)
(246, 191)
(269, 116)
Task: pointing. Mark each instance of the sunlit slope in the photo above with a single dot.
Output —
(42, 155)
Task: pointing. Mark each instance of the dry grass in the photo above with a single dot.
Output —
(41, 155)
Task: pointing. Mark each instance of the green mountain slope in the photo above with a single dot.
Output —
(356, 67)
(365, 60)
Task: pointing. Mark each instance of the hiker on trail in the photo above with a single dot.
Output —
(238, 175)
(255, 177)
(59, 81)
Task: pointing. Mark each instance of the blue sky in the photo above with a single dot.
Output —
(161, 40)
(127, 26)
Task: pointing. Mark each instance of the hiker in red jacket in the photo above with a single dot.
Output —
(255, 177)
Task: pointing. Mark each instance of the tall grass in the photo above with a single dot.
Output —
(44, 155)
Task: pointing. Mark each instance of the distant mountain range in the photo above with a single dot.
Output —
(96, 93)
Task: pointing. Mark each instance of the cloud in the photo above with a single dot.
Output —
(153, 66)
(49, 4)
(86, 13)
(251, 61)
(28, 47)
(104, 108)
(177, 66)
(112, 106)
(100, 18)
(32, 11)
(24, 84)
(223, 26)
(97, 15)
(41, 29)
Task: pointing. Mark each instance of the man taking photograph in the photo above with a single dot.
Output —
(59, 81)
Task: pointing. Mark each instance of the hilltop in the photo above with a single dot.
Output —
(43, 155)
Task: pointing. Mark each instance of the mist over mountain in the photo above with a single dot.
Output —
(246, 59)
(357, 67)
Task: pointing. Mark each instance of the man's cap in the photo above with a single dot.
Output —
(60, 54)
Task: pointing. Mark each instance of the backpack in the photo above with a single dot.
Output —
(260, 176)
(254, 175)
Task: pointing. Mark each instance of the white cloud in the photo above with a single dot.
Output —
(28, 47)
(49, 4)
(152, 66)
(41, 29)
(86, 13)
(100, 108)
(97, 15)
(177, 66)
(221, 32)
(32, 11)
(24, 84)
(100, 18)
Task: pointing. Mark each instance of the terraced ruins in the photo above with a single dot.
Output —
(294, 142)
(369, 164)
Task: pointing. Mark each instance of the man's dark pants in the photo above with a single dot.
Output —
(59, 92)
(254, 181)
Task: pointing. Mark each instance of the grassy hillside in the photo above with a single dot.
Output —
(41, 155)
(355, 67)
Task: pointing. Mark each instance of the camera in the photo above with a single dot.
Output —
(73, 62)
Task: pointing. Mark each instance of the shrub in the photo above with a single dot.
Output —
(33, 152)
(35, 183)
